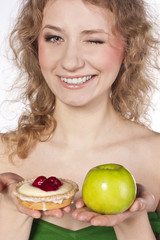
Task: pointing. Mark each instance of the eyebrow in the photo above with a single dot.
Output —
(53, 28)
(92, 31)
(84, 32)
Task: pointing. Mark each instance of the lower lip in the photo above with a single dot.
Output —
(75, 86)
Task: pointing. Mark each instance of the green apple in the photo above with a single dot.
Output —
(109, 189)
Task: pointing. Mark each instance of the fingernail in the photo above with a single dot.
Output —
(94, 222)
(36, 215)
(59, 215)
(74, 214)
(134, 208)
(142, 205)
(81, 218)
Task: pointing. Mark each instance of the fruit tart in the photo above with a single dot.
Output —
(45, 193)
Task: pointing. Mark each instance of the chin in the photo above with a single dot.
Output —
(75, 102)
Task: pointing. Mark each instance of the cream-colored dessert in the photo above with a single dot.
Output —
(36, 198)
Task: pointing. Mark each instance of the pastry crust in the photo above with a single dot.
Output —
(47, 202)
(45, 205)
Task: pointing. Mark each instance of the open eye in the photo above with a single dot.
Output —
(96, 41)
(53, 38)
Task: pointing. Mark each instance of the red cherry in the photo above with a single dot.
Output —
(38, 181)
(55, 180)
(48, 186)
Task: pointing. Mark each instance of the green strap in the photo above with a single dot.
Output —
(154, 219)
(42, 230)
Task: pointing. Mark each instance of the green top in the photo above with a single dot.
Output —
(42, 230)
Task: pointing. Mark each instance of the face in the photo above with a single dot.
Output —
(79, 56)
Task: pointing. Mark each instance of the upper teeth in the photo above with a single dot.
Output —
(76, 80)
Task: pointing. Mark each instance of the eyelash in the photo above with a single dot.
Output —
(53, 38)
(57, 39)
(95, 41)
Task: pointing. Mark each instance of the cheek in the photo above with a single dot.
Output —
(110, 59)
(41, 54)
(46, 58)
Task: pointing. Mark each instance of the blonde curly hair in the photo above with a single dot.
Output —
(130, 93)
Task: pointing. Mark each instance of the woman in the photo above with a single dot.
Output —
(87, 84)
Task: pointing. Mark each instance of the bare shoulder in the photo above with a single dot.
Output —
(150, 139)
(145, 145)
(146, 135)
(145, 142)
(149, 143)
(152, 142)
(153, 139)
(25, 167)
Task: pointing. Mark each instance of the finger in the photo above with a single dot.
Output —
(8, 178)
(84, 214)
(138, 205)
(142, 192)
(147, 199)
(144, 200)
(141, 204)
(54, 213)
(67, 209)
(30, 212)
(109, 220)
(58, 212)
(80, 203)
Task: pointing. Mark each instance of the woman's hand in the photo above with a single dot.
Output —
(58, 212)
(8, 182)
(143, 201)
(6, 179)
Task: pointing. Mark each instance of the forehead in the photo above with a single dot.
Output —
(76, 13)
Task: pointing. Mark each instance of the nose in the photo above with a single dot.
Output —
(72, 59)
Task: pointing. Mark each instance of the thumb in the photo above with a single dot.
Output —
(144, 200)
(8, 178)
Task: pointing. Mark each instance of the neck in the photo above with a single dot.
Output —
(86, 125)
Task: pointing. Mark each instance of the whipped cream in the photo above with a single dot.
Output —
(28, 190)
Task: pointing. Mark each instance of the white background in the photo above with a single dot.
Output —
(9, 113)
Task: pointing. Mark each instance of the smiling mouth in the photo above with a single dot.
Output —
(79, 80)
